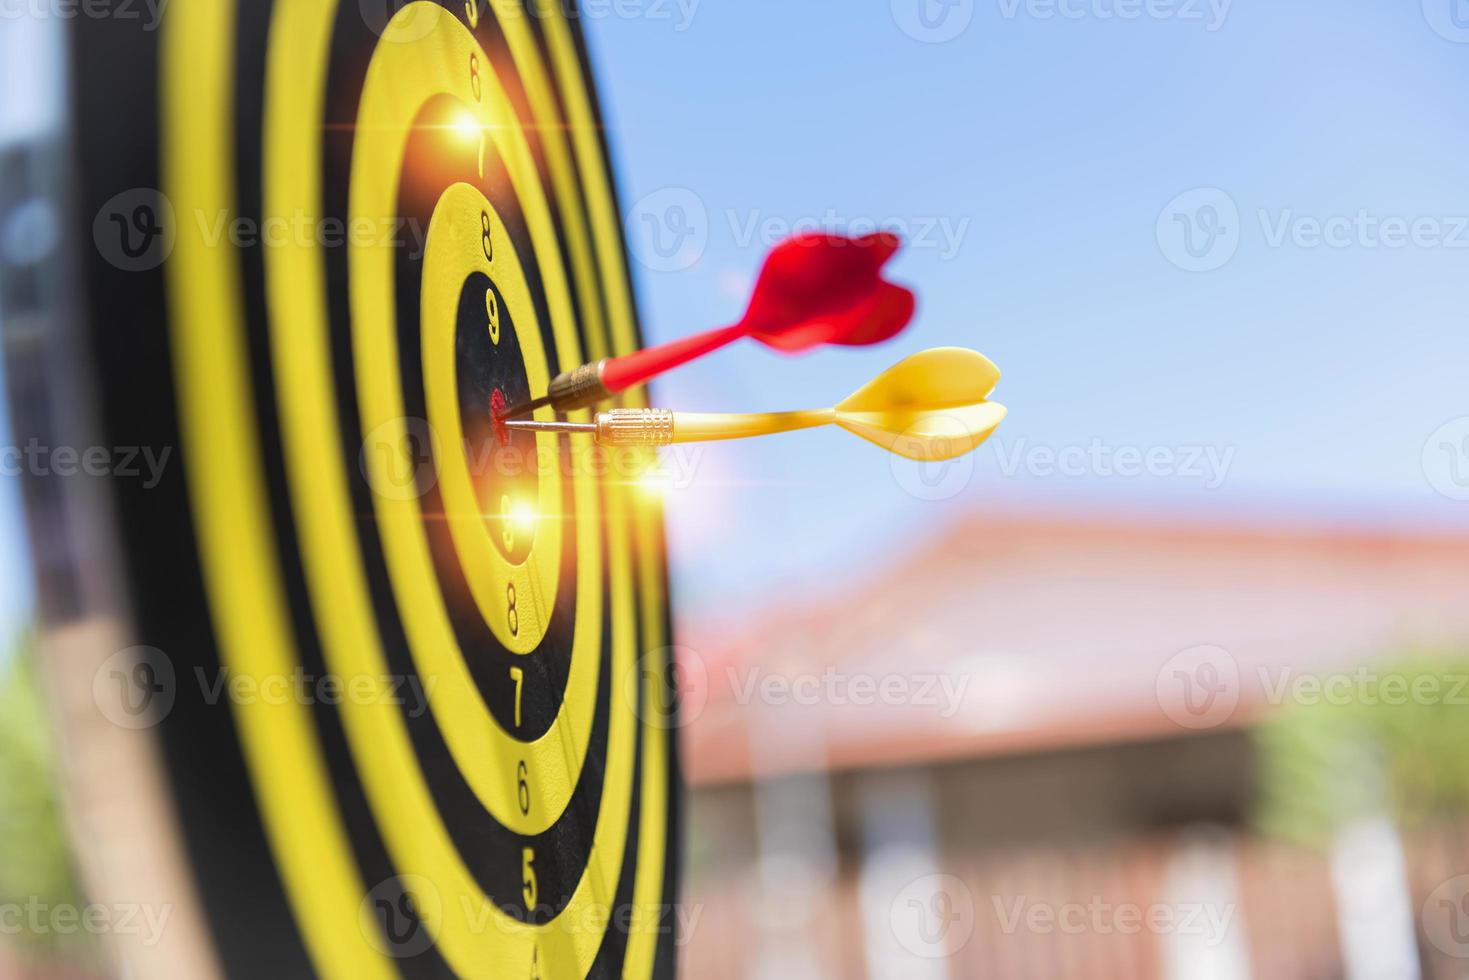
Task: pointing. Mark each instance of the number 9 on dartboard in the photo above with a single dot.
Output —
(365, 684)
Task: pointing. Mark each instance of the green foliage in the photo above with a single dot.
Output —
(34, 861)
(1395, 739)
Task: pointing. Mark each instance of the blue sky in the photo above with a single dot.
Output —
(1318, 372)
(26, 48)
(15, 578)
(1036, 161)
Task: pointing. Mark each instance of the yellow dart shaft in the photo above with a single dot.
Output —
(703, 427)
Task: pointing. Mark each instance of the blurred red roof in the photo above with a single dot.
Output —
(1055, 629)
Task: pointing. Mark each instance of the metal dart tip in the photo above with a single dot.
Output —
(524, 408)
(618, 427)
(531, 425)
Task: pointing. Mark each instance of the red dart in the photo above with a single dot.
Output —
(813, 289)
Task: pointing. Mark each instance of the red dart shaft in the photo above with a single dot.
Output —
(621, 373)
(591, 383)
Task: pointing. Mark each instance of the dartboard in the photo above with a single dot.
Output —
(407, 673)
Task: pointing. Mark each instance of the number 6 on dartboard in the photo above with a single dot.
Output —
(522, 789)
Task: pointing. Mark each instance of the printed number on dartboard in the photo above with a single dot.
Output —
(492, 315)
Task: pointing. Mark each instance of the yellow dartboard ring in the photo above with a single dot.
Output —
(386, 216)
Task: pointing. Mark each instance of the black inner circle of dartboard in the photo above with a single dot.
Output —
(502, 463)
(433, 160)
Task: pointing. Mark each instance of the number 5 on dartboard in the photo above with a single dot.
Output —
(528, 878)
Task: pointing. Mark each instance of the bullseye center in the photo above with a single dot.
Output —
(497, 416)
(503, 465)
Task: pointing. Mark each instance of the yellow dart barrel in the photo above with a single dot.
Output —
(660, 427)
(635, 427)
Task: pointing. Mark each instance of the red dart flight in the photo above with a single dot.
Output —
(813, 289)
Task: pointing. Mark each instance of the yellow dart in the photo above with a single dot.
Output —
(930, 406)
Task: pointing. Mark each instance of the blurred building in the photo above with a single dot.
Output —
(1027, 750)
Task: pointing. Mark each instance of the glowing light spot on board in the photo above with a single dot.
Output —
(654, 483)
(467, 127)
(524, 516)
